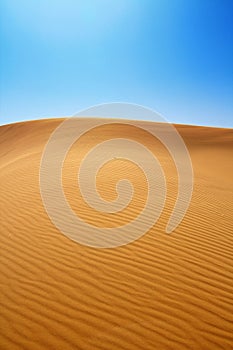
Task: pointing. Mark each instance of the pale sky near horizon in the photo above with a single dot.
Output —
(174, 56)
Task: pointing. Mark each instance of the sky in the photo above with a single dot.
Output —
(60, 56)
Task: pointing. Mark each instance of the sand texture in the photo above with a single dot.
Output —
(159, 292)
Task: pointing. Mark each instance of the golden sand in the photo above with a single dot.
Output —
(159, 292)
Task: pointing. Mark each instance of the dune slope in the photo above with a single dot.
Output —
(159, 292)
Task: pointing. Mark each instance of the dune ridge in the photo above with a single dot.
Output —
(159, 292)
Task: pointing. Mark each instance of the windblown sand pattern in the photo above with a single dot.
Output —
(160, 292)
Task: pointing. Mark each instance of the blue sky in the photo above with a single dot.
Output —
(175, 56)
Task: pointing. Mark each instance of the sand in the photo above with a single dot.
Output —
(159, 292)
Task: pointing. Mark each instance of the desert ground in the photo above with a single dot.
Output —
(159, 292)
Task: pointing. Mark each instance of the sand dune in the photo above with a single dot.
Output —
(159, 292)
